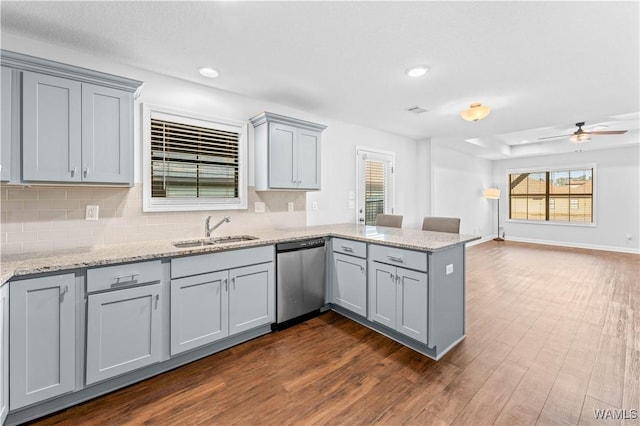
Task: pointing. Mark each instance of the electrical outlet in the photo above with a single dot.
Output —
(314, 205)
(91, 213)
(258, 207)
(449, 269)
(290, 206)
(629, 236)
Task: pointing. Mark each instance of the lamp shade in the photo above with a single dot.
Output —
(580, 138)
(491, 193)
(475, 112)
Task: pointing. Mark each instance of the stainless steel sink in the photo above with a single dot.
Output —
(212, 241)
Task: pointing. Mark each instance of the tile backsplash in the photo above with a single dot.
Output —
(45, 219)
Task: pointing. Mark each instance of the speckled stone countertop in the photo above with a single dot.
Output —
(33, 263)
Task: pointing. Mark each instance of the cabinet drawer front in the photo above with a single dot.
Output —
(352, 248)
(109, 277)
(204, 263)
(399, 257)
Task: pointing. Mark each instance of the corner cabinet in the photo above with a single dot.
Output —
(42, 333)
(287, 153)
(77, 124)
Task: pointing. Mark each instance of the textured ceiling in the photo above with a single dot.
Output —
(542, 66)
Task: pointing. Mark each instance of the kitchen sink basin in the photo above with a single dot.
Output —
(212, 241)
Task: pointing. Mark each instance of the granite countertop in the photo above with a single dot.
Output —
(33, 263)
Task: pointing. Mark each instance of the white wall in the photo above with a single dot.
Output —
(339, 139)
(457, 183)
(617, 205)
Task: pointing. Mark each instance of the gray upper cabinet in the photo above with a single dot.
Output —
(51, 128)
(287, 152)
(77, 124)
(5, 154)
(42, 324)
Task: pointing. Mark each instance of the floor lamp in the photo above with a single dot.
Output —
(494, 194)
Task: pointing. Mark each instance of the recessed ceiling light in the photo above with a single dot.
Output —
(208, 72)
(417, 71)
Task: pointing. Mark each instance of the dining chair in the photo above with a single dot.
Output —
(391, 220)
(441, 224)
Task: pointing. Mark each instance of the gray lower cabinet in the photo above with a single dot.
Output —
(124, 331)
(349, 283)
(211, 306)
(4, 352)
(6, 128)
(42, 339)
(199, 310)
(398, 299)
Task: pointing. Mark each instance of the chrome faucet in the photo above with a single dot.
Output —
(208, 228)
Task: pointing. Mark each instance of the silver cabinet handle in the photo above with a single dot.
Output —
(121, 278)
(395, 259)
(64, 291)
(73, 171)
(362, 269)
(392, 278)
(398, 279)
(347, 248)
(233, 281)
(157, 299)
(85, 172)
(226, 284)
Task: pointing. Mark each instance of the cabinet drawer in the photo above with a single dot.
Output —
(109, 277)
(204, 263)
(399, 257)
(353, 248)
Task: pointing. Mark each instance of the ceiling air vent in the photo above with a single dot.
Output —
(416, 110)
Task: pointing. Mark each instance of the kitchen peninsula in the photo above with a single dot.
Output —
(406, 284)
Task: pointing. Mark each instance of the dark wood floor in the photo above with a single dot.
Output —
(552, 334)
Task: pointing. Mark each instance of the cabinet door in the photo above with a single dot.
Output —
(123, 331)
(199, 310)
(51, 128)
(308, 149)
(382, 294)
(107, 145)
(251, 297)
(282, 153)
(412, 304)
(5, 154)
(42, 339)
(350, 283)
(4, 352)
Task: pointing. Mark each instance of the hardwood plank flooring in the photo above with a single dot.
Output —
(552, 335)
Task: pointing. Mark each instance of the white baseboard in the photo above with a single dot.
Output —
(480, 241)
(631, 250)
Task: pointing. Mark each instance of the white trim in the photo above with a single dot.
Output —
(480, 241)
(631, 250)
(150, 205)
(377, 154)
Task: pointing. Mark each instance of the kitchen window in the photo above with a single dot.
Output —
(192, 162)
(560, 195)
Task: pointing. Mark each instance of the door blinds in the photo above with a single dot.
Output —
(189, 161)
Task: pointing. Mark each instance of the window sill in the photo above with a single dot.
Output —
(545, 222)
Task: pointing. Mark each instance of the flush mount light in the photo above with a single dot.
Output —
(417, 71)
(475, 112)
(208, 72)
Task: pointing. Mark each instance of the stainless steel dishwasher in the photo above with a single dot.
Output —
(300, 283)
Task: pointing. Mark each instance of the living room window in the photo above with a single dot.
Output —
(554, 195)
(192, 162)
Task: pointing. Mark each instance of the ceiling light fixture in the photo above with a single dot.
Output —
(417, 71)
(475, 112)
(580, 138)
(208, 72)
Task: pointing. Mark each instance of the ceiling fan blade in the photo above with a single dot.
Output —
(555, 137)
(608, 132)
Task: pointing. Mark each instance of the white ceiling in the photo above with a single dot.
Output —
(541, 66)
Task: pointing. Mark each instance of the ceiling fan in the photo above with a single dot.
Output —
(580, 135)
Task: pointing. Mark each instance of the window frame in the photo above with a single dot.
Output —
(151, 204)
(380, 156)
(545, 169)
